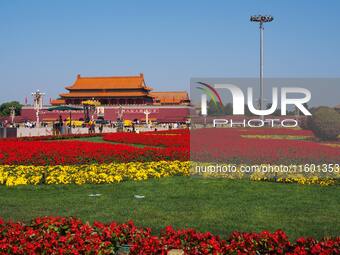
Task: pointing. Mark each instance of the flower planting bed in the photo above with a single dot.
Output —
(46, 162)
(303, 178)
(228, 146)
(205, 145)
(44, 158)
(57, 235)
(12, 175)
(76, 152)
(173, 138)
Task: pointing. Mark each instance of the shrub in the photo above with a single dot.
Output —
(304, 123)
(325, 123)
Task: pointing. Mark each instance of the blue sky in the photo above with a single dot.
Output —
(45, 44)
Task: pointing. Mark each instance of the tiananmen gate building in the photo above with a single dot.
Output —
(118, 90)
(131, 93)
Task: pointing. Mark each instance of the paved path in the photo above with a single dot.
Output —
(27, 132)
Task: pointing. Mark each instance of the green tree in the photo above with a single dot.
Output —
(325, 123)
(214, 109)
(277, 111)
(228, 109)
(5, 108)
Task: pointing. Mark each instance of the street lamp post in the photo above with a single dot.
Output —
(38, 103)
(12, 113)
(147, 112)
(120, 122)
(261, 20)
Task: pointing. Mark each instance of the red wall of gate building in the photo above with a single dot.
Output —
(159, 114)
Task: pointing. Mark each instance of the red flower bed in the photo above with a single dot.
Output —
(227, 145)
(58, 235)
(205, 145)
(175, 138)
(77, 152)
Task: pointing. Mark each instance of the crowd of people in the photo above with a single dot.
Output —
(6, 124)
(65, 126)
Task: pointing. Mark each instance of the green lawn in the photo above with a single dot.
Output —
(215, 205)
(99, 139)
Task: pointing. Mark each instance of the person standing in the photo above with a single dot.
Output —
(60, 125)
(101, 127)
(93, 127)
(90, 126)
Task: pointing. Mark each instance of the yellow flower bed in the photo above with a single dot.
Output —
(94, 173)
(289, 137)
(305, 179)
(137, 171)
(301, 180)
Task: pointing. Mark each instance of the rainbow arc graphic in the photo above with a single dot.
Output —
(212, 93)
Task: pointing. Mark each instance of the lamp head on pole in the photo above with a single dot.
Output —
(261, 18)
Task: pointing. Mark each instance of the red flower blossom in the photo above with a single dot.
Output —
(59, 235)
